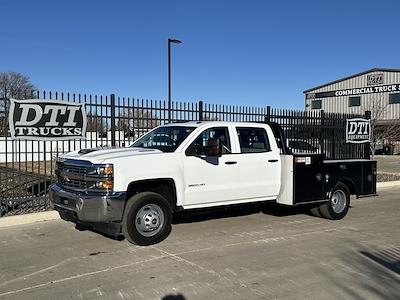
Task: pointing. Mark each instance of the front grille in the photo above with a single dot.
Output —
(72, 176)
(78, 170)
(81, 176)
(72, 183)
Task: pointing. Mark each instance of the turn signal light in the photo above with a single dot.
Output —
(107, 184)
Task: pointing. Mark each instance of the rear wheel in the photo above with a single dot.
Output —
(147, 219)
(338, 204)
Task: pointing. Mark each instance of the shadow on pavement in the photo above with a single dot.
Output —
(269, 208)
(200, 215)
(174, 297)
(82, 227)
(374, 274)
(388, 258)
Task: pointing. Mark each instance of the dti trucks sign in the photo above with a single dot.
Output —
(358, 131)
(37, 119)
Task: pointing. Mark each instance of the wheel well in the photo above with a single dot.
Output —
(350, 185)
(163, 186)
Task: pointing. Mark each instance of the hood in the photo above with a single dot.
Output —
(101, 154)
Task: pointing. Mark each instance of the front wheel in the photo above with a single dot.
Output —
(338, 204)
(147, 219)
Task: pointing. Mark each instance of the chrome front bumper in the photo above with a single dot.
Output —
(90, 208)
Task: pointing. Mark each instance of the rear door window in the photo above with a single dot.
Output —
(253, 140)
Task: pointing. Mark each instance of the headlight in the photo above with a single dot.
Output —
(104, 175)
(106, 170)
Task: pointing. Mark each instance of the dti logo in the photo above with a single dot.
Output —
(358, 130)
(37, 119)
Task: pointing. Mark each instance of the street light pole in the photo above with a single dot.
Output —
(170, 41)
(169, 81)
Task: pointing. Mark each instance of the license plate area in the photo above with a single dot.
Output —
(68, 202)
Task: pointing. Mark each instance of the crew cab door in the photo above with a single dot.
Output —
(210, 179)
(259, 165)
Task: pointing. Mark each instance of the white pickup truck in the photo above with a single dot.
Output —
(181, 166)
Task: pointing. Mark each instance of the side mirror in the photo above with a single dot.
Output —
(214, 148)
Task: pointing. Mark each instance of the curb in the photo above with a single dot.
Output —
(29, 218)
(387, 184)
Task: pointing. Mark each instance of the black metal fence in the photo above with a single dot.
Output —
(27, 167)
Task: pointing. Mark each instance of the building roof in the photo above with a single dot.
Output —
(352, 76)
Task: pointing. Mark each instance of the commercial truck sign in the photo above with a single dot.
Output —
(358, 131)
(394, 88)
(38, 119)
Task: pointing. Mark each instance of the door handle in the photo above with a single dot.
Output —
(231, 162)
(272, 160)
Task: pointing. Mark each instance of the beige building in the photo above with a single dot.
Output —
(376, 90)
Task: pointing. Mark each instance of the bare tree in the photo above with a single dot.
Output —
(3, 117)
(382, 130)
(138, 120)
(95, 123)
(209, 117)
(12, 85)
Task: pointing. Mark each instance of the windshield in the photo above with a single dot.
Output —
(166, 139)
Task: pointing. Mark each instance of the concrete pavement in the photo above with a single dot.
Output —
(238, 254)
(388, 163)
(28, 218)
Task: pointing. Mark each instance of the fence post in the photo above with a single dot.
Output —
(334, 124)
(367, 147)
(268, 115)
(322, 140)
(200, 110)
(112, 97)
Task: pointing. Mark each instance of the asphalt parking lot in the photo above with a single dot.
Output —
(278, 254)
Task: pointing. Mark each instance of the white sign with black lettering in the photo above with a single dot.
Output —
(38, 119)
(358, 131)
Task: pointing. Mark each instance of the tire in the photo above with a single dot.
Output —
(338, 204)
(147, 219)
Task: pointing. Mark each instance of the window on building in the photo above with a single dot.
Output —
(354, 101)
(316, 104)
(253, 140)
(394, 98)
